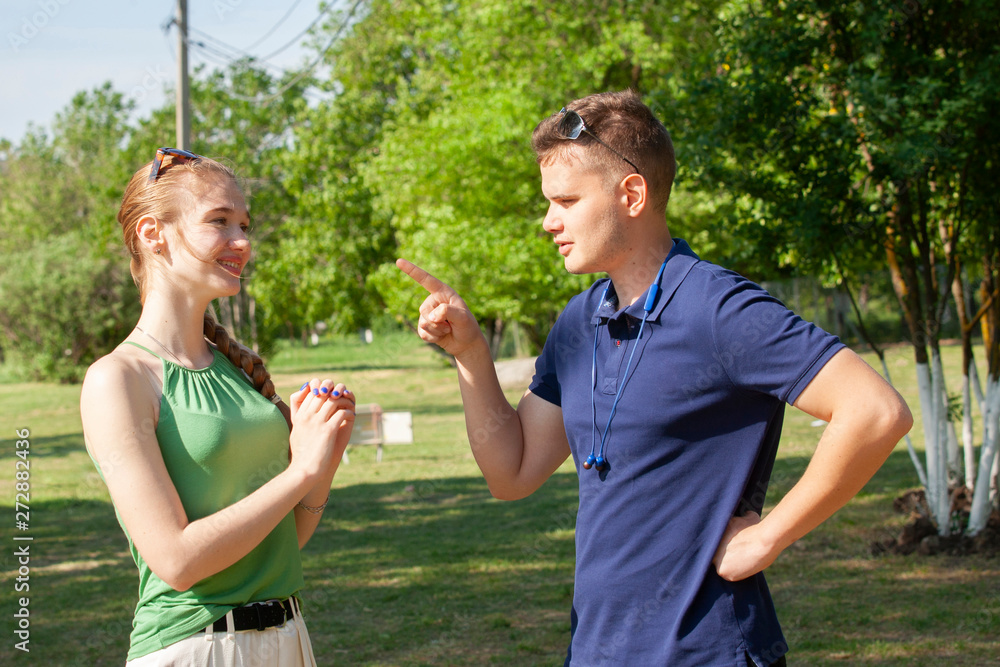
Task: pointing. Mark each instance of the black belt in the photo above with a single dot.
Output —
(258, 616)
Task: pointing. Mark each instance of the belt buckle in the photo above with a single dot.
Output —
(270, 607)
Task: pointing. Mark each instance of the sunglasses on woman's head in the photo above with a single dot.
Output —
(177, 154)
(571, 125)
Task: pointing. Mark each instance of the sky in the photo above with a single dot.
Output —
(52, 49)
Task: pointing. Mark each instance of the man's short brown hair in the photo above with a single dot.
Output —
(626, 124)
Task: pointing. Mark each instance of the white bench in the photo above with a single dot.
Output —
(374, 426)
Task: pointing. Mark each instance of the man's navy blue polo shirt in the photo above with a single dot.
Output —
(692, 443)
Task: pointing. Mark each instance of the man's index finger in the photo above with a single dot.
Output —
(422, 278)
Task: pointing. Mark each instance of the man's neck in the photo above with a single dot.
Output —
(636, 274)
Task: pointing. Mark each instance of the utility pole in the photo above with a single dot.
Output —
(183, 127)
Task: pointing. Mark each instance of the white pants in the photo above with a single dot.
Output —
(287, 645)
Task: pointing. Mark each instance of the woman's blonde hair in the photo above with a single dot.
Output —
(159, 199)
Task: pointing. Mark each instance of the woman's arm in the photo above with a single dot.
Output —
(118, 407)
(306, 521)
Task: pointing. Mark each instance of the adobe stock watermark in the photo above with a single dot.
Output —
(22, 540)
(34, 23)
(152, 81)
(223, 7)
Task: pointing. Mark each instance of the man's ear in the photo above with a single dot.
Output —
(635, 192)
(149, 231)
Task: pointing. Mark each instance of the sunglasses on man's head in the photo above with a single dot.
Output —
(571, 125)
(177, 154)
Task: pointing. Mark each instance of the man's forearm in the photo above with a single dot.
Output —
(492, 424)
(866, 419)
(847, 456)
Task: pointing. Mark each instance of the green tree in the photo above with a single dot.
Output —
(58, 254)
(456, 90)
(861, 133)
(62, 192)
(64, 303)
(334, 243)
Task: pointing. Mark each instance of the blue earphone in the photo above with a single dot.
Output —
(652, 295)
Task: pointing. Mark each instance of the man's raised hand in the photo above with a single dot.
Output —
(445, 319)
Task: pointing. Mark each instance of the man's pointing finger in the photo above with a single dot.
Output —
(424, 279)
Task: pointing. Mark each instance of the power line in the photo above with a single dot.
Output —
(309, 69)
(226, 54)
(276, 25)
(237, 52)
(208, 53)
(217, 57)
(308, 28)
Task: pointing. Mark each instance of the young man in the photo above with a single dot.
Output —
(666, 382)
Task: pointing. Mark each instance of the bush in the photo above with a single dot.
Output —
(63, 305)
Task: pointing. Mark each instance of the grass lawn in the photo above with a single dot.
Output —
(415, 564)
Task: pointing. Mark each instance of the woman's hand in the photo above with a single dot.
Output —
(322, 420)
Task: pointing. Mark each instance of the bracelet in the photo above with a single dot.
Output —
(314, 510)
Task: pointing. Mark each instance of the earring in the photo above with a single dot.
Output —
(156, 252)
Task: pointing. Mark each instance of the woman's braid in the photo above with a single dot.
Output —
(242, 357)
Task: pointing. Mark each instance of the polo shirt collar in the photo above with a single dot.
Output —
(673, 275)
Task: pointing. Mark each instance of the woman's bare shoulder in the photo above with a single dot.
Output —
(127, 378)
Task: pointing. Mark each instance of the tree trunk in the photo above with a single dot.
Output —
(252, 319)
(968, 369)
(495, 330)
(980, 512)
(863, 333)
(906, 271)
(938, 496)
(226, 313)
(989, 320)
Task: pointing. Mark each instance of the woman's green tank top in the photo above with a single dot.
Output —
(221, 440)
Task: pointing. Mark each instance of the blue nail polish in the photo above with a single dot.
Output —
(336, 393)
(303, 386)
(327, 391)
(315, 392)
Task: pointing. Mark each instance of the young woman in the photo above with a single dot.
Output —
(216, 483)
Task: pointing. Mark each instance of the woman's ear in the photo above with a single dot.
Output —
(149, 231)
